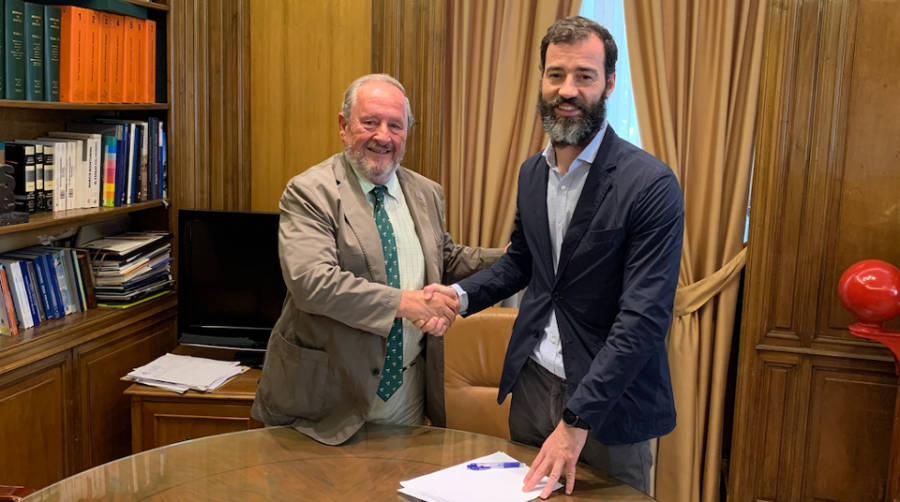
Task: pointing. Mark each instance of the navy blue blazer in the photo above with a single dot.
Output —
(612, 293)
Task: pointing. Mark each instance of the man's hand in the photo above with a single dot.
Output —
(431, 313)
(431, 325)
(558, 456)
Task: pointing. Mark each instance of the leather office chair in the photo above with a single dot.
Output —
(474, 349)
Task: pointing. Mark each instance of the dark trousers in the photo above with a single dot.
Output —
(538, 400)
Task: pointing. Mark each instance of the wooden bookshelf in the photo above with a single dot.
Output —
(61, 403)
(57, 105)
(79, 216)
(149, 5)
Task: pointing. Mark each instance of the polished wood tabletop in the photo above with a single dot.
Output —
(279, 463)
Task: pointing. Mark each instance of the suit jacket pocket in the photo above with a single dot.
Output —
(295, 380)
(599, 237)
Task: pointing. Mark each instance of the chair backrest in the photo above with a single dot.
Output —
(474, 349)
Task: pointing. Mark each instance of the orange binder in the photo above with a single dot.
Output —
(71, 53)
(107, 56)
(132, 61)
(150, 58)
(140, 71)
(92, 69)
(117, 52)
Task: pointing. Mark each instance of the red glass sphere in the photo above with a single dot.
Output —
(870, 290)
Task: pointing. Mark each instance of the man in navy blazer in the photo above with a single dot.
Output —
(597, 241)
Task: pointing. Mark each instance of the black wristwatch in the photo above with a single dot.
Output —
(573, 420)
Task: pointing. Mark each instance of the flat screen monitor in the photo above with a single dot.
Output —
(230, 288)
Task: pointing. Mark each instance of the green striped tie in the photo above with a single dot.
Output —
(392, 376)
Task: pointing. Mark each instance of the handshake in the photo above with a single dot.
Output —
(432, 309)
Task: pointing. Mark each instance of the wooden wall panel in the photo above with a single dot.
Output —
(209, 141)
(105, 412)
(779, 382)
(866, 222)
(35, 431)
(303, 56)
(824, 196)
(408, 42)
(847, 447)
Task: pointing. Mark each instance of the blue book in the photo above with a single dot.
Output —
(46, 282)
(27, 274)
(65, 276)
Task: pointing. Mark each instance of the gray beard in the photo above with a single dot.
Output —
(572, 130)
(375, 174)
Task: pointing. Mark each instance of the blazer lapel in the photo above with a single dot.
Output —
(536, 192)
(425, 228)
(358, 216)
(596, 186)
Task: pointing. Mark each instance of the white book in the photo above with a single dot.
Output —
(89, 176)
(75, 169)
(59, 181)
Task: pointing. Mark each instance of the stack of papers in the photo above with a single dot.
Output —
(460, 484)
(183, 373)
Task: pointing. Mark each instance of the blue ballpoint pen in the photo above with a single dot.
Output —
(481, 466)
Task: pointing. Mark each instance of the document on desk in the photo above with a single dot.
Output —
(183, 373)
(462, 484)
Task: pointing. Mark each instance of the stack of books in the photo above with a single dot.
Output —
(131, 268)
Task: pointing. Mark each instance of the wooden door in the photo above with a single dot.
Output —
(36, 439)
(814, 404)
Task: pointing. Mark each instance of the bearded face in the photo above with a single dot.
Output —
(572, 130)
(374, 133)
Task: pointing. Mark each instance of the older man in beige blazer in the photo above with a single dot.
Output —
(326, 355)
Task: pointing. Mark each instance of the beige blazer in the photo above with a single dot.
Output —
(325, 355)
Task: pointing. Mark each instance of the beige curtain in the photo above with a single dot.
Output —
(490, 123)
(696, 67)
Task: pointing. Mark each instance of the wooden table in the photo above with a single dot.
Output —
(279, 463)
(161, 417)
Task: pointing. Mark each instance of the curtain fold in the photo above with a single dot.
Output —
(490, 122)
(696, 67)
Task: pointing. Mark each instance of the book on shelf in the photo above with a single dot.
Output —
(124, 248)
(131, 266)
(44, 173)
(56, 161)
(34, 52)
(21, 158)
(72, 51)
(17, 290)
(52, 19)
(87, 277)
(93, 70)
(7, 310)
(14, 48)
(42, 269)
(87, 180)
(114, 139)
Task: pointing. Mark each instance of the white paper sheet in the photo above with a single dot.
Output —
(460, 484)
(176, 372)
